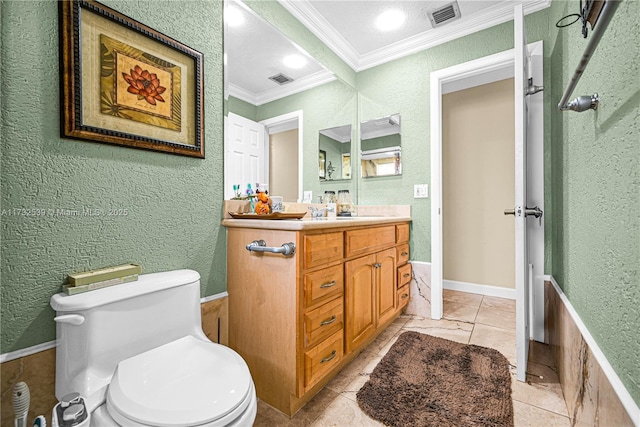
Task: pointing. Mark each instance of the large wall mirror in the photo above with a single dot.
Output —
(278, 102)
(380, 147)
(334, 155)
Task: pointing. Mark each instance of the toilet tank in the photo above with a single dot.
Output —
(96, 330)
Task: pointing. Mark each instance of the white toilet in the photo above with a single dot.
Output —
(137, 354)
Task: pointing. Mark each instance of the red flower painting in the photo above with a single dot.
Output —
(144, 84)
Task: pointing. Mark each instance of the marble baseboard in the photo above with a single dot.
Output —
(38, 370)
(215, 320)
(420, 290)
(591, 399)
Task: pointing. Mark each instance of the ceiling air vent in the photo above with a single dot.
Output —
(281, 79)
(444, 14)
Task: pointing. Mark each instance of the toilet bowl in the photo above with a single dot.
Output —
(139, 357)
(173, 385)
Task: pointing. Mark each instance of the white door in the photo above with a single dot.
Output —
(245, 159)
(521, 74)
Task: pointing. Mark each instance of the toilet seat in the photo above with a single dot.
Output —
(187, 382)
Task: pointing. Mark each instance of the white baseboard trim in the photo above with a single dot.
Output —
(214, 297)
(23, 352)
(622, 392)
(474, 288)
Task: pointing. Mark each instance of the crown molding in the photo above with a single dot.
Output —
(321, 28)
(300, 85)
(336, 136)
(434, 37)
(310, 18)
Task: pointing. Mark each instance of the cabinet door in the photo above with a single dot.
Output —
(386, 278)
(360, 300)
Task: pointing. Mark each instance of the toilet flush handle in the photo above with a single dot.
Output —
(74, 319)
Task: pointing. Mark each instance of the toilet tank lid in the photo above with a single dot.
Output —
(146, 283)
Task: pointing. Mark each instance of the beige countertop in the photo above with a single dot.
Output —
(314, 224)
(367, 216)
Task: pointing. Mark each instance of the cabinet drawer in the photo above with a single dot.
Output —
(323, 321)
(322, 358)
(404, 275)
(402, 254)
(322, 249)
(402, 233)
(323, 285)
(403, 297)
(363, 241)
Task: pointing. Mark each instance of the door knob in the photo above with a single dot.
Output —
(534, 211)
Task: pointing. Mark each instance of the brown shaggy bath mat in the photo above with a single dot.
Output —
(429, 381)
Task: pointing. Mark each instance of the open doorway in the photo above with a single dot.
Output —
(477, 183)
(249, 157)
(472, 74)
(284, 136)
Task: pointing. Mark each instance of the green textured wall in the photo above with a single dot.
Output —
(403, 86)
(173, 202)
(595, 168)
(326, 106)
(242, 108)
(381, 142)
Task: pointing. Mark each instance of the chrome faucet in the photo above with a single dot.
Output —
(318, 213)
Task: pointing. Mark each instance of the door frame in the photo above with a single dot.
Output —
(283, 123)
(463, 76)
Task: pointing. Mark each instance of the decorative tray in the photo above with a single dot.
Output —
(275, 215)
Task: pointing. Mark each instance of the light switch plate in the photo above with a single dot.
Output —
(421, 191)
(307, 196)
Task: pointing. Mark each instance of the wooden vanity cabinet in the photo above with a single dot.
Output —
(298, 320)
(370, 295)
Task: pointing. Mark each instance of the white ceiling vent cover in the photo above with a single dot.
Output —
(281, 79)
(444, 14)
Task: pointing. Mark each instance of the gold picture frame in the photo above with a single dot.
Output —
(322, 164)
(346, 165)
(124, 83)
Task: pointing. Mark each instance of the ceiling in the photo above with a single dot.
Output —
(255, 49)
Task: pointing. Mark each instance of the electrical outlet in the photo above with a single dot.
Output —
(421, 191)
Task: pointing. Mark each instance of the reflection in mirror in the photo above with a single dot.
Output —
(335, 153)
(315, 99)
(380, 147)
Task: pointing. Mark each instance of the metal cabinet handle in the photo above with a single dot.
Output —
(329, 321)
(261, 246)
(377, 265)
(405, 296)
(328, 285)
(404, 253)
(406, 275)
(330, 357)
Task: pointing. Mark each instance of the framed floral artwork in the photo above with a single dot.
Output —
(124, 83)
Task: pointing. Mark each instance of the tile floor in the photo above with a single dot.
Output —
(469, 319)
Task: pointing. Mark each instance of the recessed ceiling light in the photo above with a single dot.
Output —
(233, 16)
(390, 20)
(295, 61)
